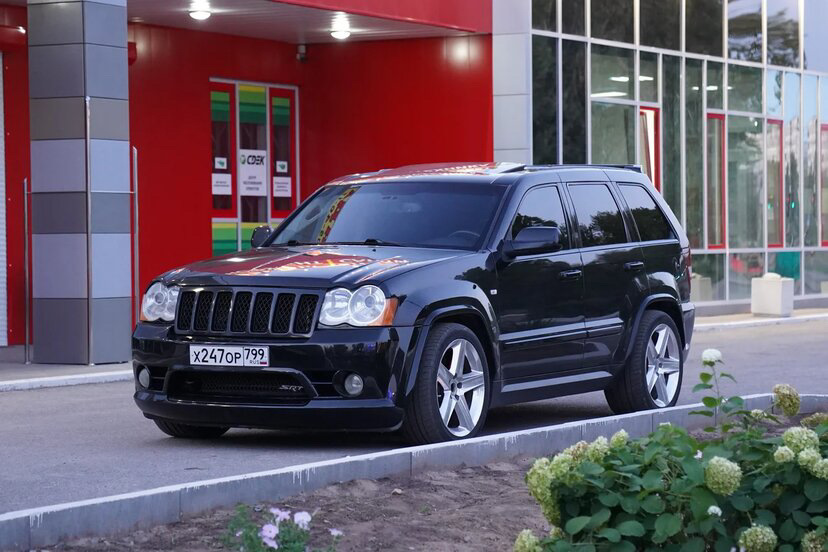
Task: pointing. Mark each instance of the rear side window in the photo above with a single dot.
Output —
(651, 223)
(599, 219)
(542, 207)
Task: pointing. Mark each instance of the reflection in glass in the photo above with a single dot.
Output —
(671, 132)
(648, 77)
(543, 15)
(612, 72)
(816, 40)
(774, 95)
(612, 19)
(745, 143)
(660, 23)
(744, 88)
(715, 88)
(810, 152)
(743, 268)
(694, 149)
(715, 181)
(788, 265)
(613, 133)
(783, 32)
(544, 100)
(744, 29)
(574, 102)
(222, 158)
(572, 17)
(648, 155)
(703, 27)
(599, 219)
(816, 272)
(793, 159)
(773, 157)
(253, 135)
(708, 280)
(281, 164)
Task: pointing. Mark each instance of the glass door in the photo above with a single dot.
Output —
(650, 146)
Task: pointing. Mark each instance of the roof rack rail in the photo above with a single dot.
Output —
(636, 168)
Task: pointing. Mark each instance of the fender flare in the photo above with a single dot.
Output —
(656, 298)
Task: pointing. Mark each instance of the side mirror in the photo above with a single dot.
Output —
(533, 240)
(260, 235)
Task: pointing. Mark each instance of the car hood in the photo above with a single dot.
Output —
(308, 266)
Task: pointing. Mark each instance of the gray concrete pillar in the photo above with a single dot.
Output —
(79, 124)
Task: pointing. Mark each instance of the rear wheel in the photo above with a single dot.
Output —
(451, 395)
(186, 431)
(653, 374)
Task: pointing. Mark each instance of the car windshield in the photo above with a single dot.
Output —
(414, 214)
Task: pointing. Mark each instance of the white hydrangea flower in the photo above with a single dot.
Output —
(722, 476)
(711, 356)
(619, 439)
(800, 438)
(783, 454)
(714, 511)
(527, 542)
(758, 538)
(808, 458)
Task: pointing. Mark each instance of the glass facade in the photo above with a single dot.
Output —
(723, 104)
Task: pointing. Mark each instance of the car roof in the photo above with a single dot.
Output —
(480, 172)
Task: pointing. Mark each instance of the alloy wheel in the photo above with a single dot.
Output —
(461, 387)
(663, 369)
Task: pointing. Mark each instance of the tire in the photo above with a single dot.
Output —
(186, 431)
(654, 381)
(465, 399)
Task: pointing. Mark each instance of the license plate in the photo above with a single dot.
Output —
(220, 355)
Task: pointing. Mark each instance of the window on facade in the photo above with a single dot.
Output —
(613, 133)
(708, 278)
(599, 219)
(792, 143)
(281, 159)
(648, 76)
(823, 152)
(574, 102)
(783, 32)
(544, 14)
(612, 19)
(612, 73)
(816, 40)
(660, 23)
(544, 99)
(774, 93)
(253, 137)
(715, 87)
(816, 272)
(810, 148)
(745, 145)
(648, 217)
(542, 207)
(787, 264)
(671, 132)
(775, 208)
(744, 29)
(694, 150)
(715, 181)
(703, 27)
(744, 88)
(572, 17)
(221, 162)
(743, 268)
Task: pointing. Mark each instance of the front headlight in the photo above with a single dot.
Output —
(367, 306)
(159, 302)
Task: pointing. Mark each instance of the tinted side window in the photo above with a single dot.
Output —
(599, 219)
(542, 207)
(648, 217)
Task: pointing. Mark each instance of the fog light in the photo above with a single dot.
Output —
(353, 384)
(144, 378)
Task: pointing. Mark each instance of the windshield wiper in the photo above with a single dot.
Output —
(368, 241)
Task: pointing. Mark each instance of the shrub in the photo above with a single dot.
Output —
(740, 488)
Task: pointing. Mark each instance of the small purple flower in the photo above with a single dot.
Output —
(280, 515)
(269, 531)
(336, 533)
(270, 543)
(302, 520)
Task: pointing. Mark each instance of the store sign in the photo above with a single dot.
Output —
(220, 163)
(281, 166)
(221, 184)
(281, 186)
(253, 172)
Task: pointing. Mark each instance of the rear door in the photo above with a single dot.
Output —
(614, 276)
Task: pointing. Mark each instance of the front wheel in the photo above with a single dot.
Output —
(186, 431)
(653, 373)
(451, 395)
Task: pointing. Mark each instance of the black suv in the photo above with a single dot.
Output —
(418, 298)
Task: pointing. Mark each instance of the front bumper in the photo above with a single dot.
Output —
(382, 356)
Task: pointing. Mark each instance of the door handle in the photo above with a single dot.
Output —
(633, 266)
(570, 274)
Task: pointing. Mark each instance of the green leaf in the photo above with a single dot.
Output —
(700, 500)
(576, 524)
(652, 481)
(591, 468)
(765, 517)
(630, 504)
(742, 503)
(724, 544)
(786, 548)
(710, 402)
(702, 413)
(598, 518)
(728, 376)
(820, 521)
(609, 499)
(705, 377)
(701, 386)
(610, 534)
(790, 501)
(801, 518)
(761, 483)
(696, 544)
(651, 450)
(668, 524)
(623, 546)
(630, 528)
(816, 489)
(817, 507)
(652, 505)
(735, 402)
(787, 531)
(693, 469)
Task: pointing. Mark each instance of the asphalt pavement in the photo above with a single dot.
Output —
(73, 443)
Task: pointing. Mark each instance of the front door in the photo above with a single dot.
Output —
(539, 300)
(614, 276)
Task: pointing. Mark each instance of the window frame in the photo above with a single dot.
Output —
(780, 199)
(621, 209)
(568, 213)
(721, 121)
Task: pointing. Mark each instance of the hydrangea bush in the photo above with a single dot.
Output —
(740, 489)
(282, 530)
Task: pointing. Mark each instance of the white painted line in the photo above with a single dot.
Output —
(61, 381)
(759, 322)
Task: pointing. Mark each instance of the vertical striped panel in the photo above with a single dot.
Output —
(224, 238)
(4, 290)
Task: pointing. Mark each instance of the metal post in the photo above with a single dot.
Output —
(26, 357)
(135, 240)
(89, 252)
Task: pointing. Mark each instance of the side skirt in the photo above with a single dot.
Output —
(512, 392)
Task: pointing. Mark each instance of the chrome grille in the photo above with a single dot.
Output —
(236, 312)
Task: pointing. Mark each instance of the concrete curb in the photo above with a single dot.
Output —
(38, 527)
(63, 381)
(759, 322)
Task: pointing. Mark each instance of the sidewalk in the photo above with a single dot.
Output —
(746, 320)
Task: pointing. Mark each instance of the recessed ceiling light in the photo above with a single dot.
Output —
(200, 15)
(340, 26)
(341, 35)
